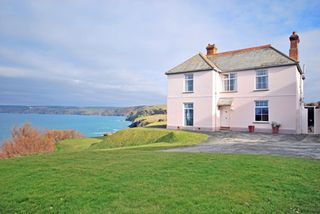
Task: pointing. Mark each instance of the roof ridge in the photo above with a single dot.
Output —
(242, 50)
(285, 55)
(211, 64)
(288, 57)
(208, 66)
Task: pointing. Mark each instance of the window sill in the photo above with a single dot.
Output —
(187, 92)
(257, 90)
(261, 122)
(228, 91)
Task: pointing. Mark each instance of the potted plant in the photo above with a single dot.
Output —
(251, 128)
(275, 127)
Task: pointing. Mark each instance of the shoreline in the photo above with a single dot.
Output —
(88, 125)
(103, 115)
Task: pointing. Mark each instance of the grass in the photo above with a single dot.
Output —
(160, 106)
(149, 138)
(155, 121)
(147, 110)
(157, 125)
(152, 118)
(76, 145)
(95, 180)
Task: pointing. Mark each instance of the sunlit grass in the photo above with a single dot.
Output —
(80, 178)
(149, 137)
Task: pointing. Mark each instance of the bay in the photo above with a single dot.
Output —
(90, 126)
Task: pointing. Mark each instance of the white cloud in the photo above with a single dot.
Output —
(105, 48)
(7, 71)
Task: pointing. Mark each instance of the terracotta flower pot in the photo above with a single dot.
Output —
(251, 128)
(275, 130)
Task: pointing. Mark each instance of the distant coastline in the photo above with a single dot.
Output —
(131, 113)
(69, 110)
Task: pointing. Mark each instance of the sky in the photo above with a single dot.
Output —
(115, 53)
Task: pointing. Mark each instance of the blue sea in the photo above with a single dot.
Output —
(89, 126)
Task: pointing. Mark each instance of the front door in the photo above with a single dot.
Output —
(225, 116)
(310, 119)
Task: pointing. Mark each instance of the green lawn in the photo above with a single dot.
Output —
(152, 138)
(76, 145)
(102, 179)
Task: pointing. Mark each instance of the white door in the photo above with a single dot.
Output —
(225, 116)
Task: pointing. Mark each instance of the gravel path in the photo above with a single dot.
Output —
(256, 143)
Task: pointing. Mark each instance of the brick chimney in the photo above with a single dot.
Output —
(211, 49)
(294, 40)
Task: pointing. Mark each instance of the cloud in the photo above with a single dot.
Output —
(310, 47)
(116, 52)
(308, 54)
(7, 71)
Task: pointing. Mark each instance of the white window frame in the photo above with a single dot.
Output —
(261, 76)
(187, 107)
(187, 79)
(226, 79)
(261, 114)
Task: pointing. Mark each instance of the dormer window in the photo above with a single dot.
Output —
(261, 79)
(229, 82)
(188, 83)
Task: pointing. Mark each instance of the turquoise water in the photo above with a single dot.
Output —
(90, 126)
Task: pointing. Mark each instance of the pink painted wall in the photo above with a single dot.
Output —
(283, 96)
(201, 98)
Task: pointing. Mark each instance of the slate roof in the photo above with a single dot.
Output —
(244, 59)
(195, 63)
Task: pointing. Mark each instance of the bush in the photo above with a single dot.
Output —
(27, 140)
(58, 135)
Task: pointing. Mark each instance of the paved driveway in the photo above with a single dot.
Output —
(255, 143)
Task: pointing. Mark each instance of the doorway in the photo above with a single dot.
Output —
(310, 119)
(225, 116)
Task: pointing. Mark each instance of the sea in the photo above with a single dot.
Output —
(90, 126)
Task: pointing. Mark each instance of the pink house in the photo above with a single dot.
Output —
(236, 89)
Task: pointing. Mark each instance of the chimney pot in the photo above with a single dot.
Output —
(211, 49)
(294, 40)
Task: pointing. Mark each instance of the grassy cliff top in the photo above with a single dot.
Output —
(124, 173)
(147, 111)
